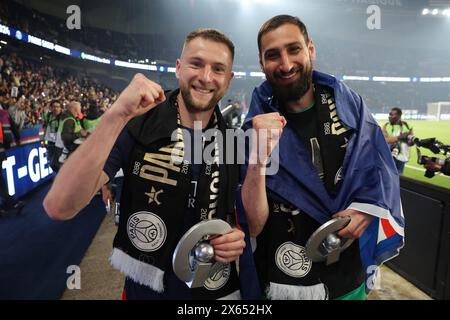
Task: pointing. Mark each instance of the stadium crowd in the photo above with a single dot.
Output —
(336, 57)
(36, 95)
(27, 90)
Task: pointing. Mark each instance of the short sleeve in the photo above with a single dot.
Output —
(119, 155)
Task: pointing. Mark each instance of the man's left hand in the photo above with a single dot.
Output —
(228, 247)
(358, 223)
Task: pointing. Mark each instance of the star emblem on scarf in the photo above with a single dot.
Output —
(153, 196)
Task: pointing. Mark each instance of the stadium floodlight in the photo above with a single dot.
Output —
(130, 63)
(430, 79)
(435, 79)
(134, 65)
(391, 79)
(246, 3)
(62, 50)
(355, 78)
(240, 74)
(435, 12)
(257, 74)
(425, 11)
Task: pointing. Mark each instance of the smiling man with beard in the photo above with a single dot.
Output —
(165, 192)
(333, 161)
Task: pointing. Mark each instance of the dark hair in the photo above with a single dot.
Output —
(213, 35)
(398, 110)
(276, 22)
(93, 112)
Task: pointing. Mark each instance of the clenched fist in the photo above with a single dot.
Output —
(267, 130)
(139, 96)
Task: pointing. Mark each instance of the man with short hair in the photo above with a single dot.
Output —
(51, 124)
(68, 134)
(333, 162)
(396, 132)
(162, 197)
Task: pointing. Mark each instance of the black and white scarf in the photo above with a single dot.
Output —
(284, 270)
(154, 203)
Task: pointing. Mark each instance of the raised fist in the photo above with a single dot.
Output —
(139, 96)
(267, 130)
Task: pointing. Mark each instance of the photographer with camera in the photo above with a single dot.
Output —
(396, 133)
(432, 164)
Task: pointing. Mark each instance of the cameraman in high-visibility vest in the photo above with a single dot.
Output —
(69, 133)
(51, 124)
(395, 132)
(92, 117)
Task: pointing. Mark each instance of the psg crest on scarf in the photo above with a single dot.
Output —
(192, 259)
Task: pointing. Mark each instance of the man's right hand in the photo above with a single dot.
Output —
(139, 96)
(266, 133)
(403, 137)
(267, 130)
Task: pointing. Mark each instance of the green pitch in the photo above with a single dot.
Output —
(427, 129)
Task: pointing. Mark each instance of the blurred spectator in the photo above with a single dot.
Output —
(396, 132)
(17, 112)
(28, 88)
(92, 117)
(10, 131)
(69, 133)
(233, 115)
(7, 203)
(51, 124)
